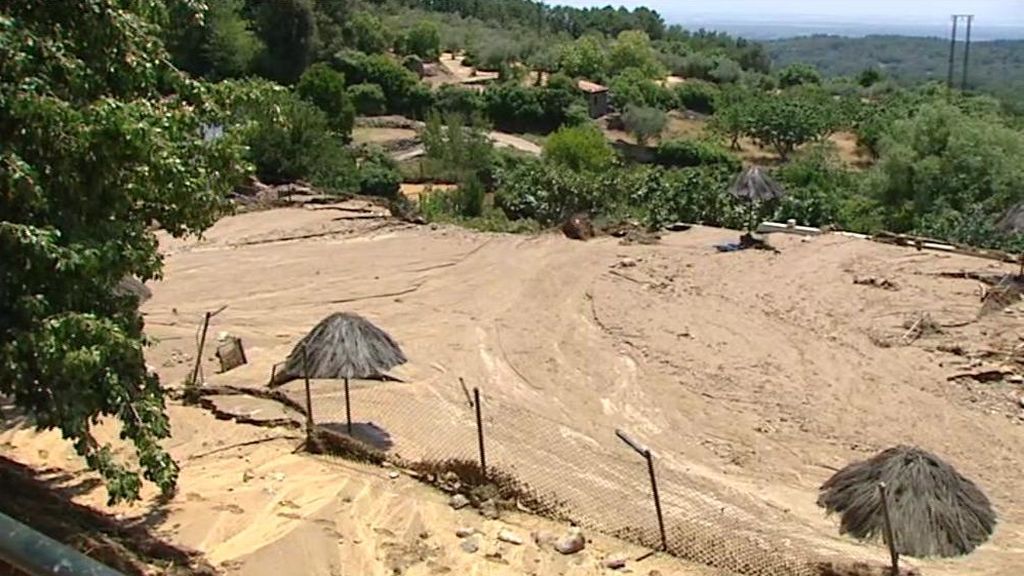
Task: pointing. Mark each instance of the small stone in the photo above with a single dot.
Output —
(654, 573)
(278, 476)
(510, 537)
(394, 474)
(615, 563)
(424, 535)
(571, 543)
(543, 538)
(1016, 379)
(627, 263)
(470, 545)
(458, 501)
(465, 532)
(489, 510)
(1020, 401)
(248, 475)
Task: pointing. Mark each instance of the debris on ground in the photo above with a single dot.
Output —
(614, 563)
(543, 538)
(458, 501)
(572, 543)
(470, 545)
(465, 532)
(510, 537)
(919, 325)
(578, 227)
(874, 281)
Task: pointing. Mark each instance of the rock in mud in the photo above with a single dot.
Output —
(615, 563)
(470, 545)
(458, 502)
(510, 537)
(543, 538)
(578, 227)
(489, 510)
(572, 543)
(465, 532)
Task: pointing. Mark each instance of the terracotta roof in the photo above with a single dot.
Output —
(590, 87)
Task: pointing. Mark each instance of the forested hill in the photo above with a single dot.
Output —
(996, 66)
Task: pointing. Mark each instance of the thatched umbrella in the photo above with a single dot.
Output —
(1012, 224)
(755, 186)
(341, 346)
(932, 509)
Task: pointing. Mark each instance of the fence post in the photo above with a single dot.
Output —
(894, 556)
(192, 386)
(480, 432)
(309, 397)
(649, 457)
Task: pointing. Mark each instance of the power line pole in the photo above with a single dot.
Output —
(952, 53)
(967, 51)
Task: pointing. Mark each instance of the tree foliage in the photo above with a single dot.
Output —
(366, 33)
(798, 75)
(325, 88)
(218, 43)
(288, 31)
(93, 153)
(644, 123)
(789, 120)
(632, 50)
(584, 58)
(580, 148)
(424, 40)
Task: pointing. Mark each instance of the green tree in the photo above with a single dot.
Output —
(732, 114)
(632, 49)
(581, 148)
(634, 88)
(458, 152)
(424, 40)
(697, 95)
(291, 139)
(786, 121)
(324, 87)
(869, 77)
(584, 58)
(378, 176)
(217, 44)
(288, 30)
(93, 153)
(366, 33)
(368, 99)
(799, 74)
(644, 123)
(942, 167)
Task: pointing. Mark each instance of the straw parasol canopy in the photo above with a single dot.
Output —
(342, 346)
(754, 185)
(1012, 221)
(934, 510)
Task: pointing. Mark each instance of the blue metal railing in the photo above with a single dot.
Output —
(38, 555)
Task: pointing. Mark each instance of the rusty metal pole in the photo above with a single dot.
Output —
(646, 453)
(309, 396)
(480, 432)
(894, 556)
(193, 384)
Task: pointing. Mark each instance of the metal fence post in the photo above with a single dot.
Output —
(192, 386)
(480, 432)
(646, 453)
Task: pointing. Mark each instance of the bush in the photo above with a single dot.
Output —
(452, 98)
(368, 99)
(378, 177)
(324, 87)
(818, 188)
(697, 95)
(290, 139)
(686, 153)
(799, 74)
(402, 90)
(424, 40)
(516, 108)
(726, 71)
(633, 89)
(580, 148)
(644, 123)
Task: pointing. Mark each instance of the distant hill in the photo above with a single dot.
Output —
(996, 66)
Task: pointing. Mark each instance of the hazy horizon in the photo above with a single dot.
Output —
(993, 18)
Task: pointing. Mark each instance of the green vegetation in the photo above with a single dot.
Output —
(94, 153)
(579, 148)
(996, 67)
(644, 123)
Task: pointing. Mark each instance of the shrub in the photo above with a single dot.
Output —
(799, 74)
(452, 98)
(290, 139)
(684, 153)
(697, 95)
(379, 178)
(633, 89)
(324, 87)
(402, 90)
(579, 148)
(424, 40)
(644, 123)
(368, 99)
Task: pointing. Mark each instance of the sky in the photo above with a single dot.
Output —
(918, 12)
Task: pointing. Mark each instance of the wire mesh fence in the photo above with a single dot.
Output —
(552, 468)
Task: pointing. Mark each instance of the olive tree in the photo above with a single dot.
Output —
(101, 138)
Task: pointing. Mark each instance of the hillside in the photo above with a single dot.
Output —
(996, 66)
